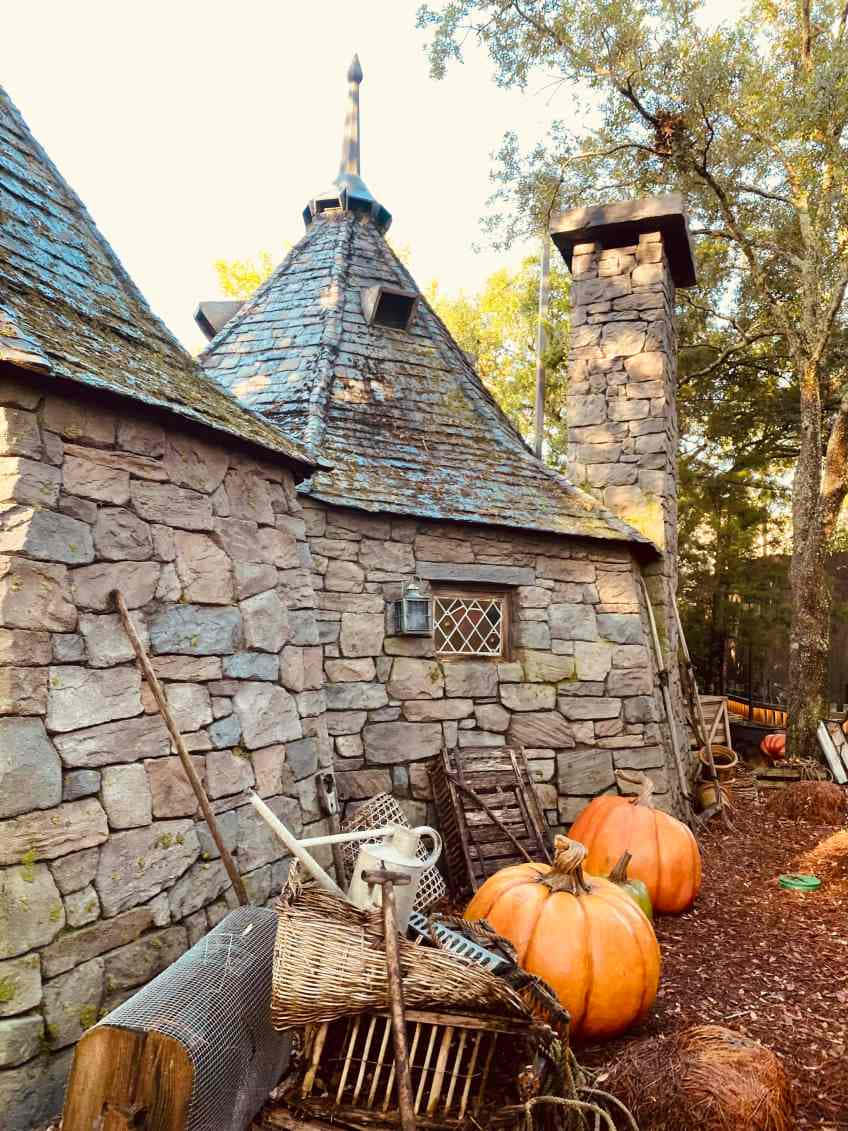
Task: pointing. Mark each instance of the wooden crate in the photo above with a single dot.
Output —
(464, 1069)
(475, 845)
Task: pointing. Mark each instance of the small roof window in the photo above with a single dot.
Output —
(389, 306)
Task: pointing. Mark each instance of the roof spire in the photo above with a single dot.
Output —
(350, 140)
(349, 193)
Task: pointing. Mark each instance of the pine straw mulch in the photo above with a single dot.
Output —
(769, 963)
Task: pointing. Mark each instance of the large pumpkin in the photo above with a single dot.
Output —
(774, 745)
(664, 854)
(582, 934)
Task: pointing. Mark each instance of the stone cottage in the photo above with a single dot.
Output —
(123, 467)
(540, 633)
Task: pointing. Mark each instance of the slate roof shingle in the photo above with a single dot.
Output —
(68, 308)
(401, 415)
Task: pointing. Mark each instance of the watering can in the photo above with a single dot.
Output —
(397, 850)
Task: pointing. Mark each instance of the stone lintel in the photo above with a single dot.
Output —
(620, 225)
(475, 574)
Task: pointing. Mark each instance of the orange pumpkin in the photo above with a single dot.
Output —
(582, 934)
(774, 745)
(665, 855)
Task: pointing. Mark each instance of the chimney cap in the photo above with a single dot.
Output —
(620, 224)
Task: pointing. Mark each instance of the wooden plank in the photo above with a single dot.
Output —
(103, 1074)
(829, 750)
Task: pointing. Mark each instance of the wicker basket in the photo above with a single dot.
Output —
(330, 962)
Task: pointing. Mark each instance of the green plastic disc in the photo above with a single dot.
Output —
(799, 881)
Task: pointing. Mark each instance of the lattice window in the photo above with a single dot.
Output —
(470, 625)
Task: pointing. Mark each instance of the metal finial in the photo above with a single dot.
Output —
(350, 141)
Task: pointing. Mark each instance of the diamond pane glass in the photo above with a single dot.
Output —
(469, 626)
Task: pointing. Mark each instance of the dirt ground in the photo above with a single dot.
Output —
(768, 962)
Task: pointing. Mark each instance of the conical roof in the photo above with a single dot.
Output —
(397, 410)
(68, 308)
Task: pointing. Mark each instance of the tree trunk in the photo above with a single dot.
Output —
(809, 637)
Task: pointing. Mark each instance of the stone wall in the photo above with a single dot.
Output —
(106, 872)
(578, 691)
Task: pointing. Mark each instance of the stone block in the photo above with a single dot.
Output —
(137, 962)
(528, 696)
(225, 732)
(355, 696)
(580, 688)
(640, 709)
(592, 660)
(20, 985)
(350, 670)
(81, 697)
(617, 591)
(621, 339)
(345, 722)
(227, 773)
(492, 716)
(80, 783)
(541, 769)
(398, 742)
(542, 667)
(82, 907)
(590, 708)
(349, 746)
(482, 738)
(620, 628)
(471, 679)
(249, 496)
(127, 741)
(93, 479)
(361, 634)
(630, 656)
(194, 463)
(68, 648)
(137, 864)
(170, 505)
(106, 641)
(76, 870)
(23, 691)
(359, 785)
(48, 833)
(253, 577)
(202, 884)
(573, 622)
(93, 585)
(126, 797)
(630, 681)
(638, 758)
(142, 436)
(190, 705)
(266, 622)
(511, 672)
(581, 410)
(21, 1038)
(386, 557)
(562, 569)
(30, 771)
(268, 714)
(23, 647)
(408, 646)
(344, 577)
(416, 679)
(19, 435)
(585, 772)
(542, 728)
(46, 535)
(648, 366)
(72, 1003)
(27, 482)
(196, 631)
(170, 789)
(257, 845)
(203, 569)
(268, 769)
(228, 828)
(31, 909)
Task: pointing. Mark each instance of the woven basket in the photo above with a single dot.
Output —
(329, 962)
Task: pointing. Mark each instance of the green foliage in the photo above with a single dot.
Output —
(497, 327)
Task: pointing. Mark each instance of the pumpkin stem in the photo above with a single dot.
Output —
(646, 786)
(619, 873)
(566, 872)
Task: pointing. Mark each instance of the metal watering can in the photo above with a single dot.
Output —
(397, 851)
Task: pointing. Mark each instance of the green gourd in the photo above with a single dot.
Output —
(636, 889)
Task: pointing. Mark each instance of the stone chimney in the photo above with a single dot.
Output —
(626, 260)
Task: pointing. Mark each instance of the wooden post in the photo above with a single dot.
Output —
(542, 341)
(406, 1102)
(329, 802)
(179, 746)
(698, 714)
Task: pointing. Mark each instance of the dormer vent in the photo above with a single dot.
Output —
(389, 306)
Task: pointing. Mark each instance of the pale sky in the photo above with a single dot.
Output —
(197, 129)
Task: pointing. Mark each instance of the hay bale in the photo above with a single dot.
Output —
(823, 802)
(704, 1078)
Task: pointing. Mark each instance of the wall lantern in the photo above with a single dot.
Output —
(413, 613)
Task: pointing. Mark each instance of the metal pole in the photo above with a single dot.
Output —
(406, 1102)
(542, 341)
(179, 746)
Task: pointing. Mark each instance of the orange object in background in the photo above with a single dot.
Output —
(774, 745)
(584, 935)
